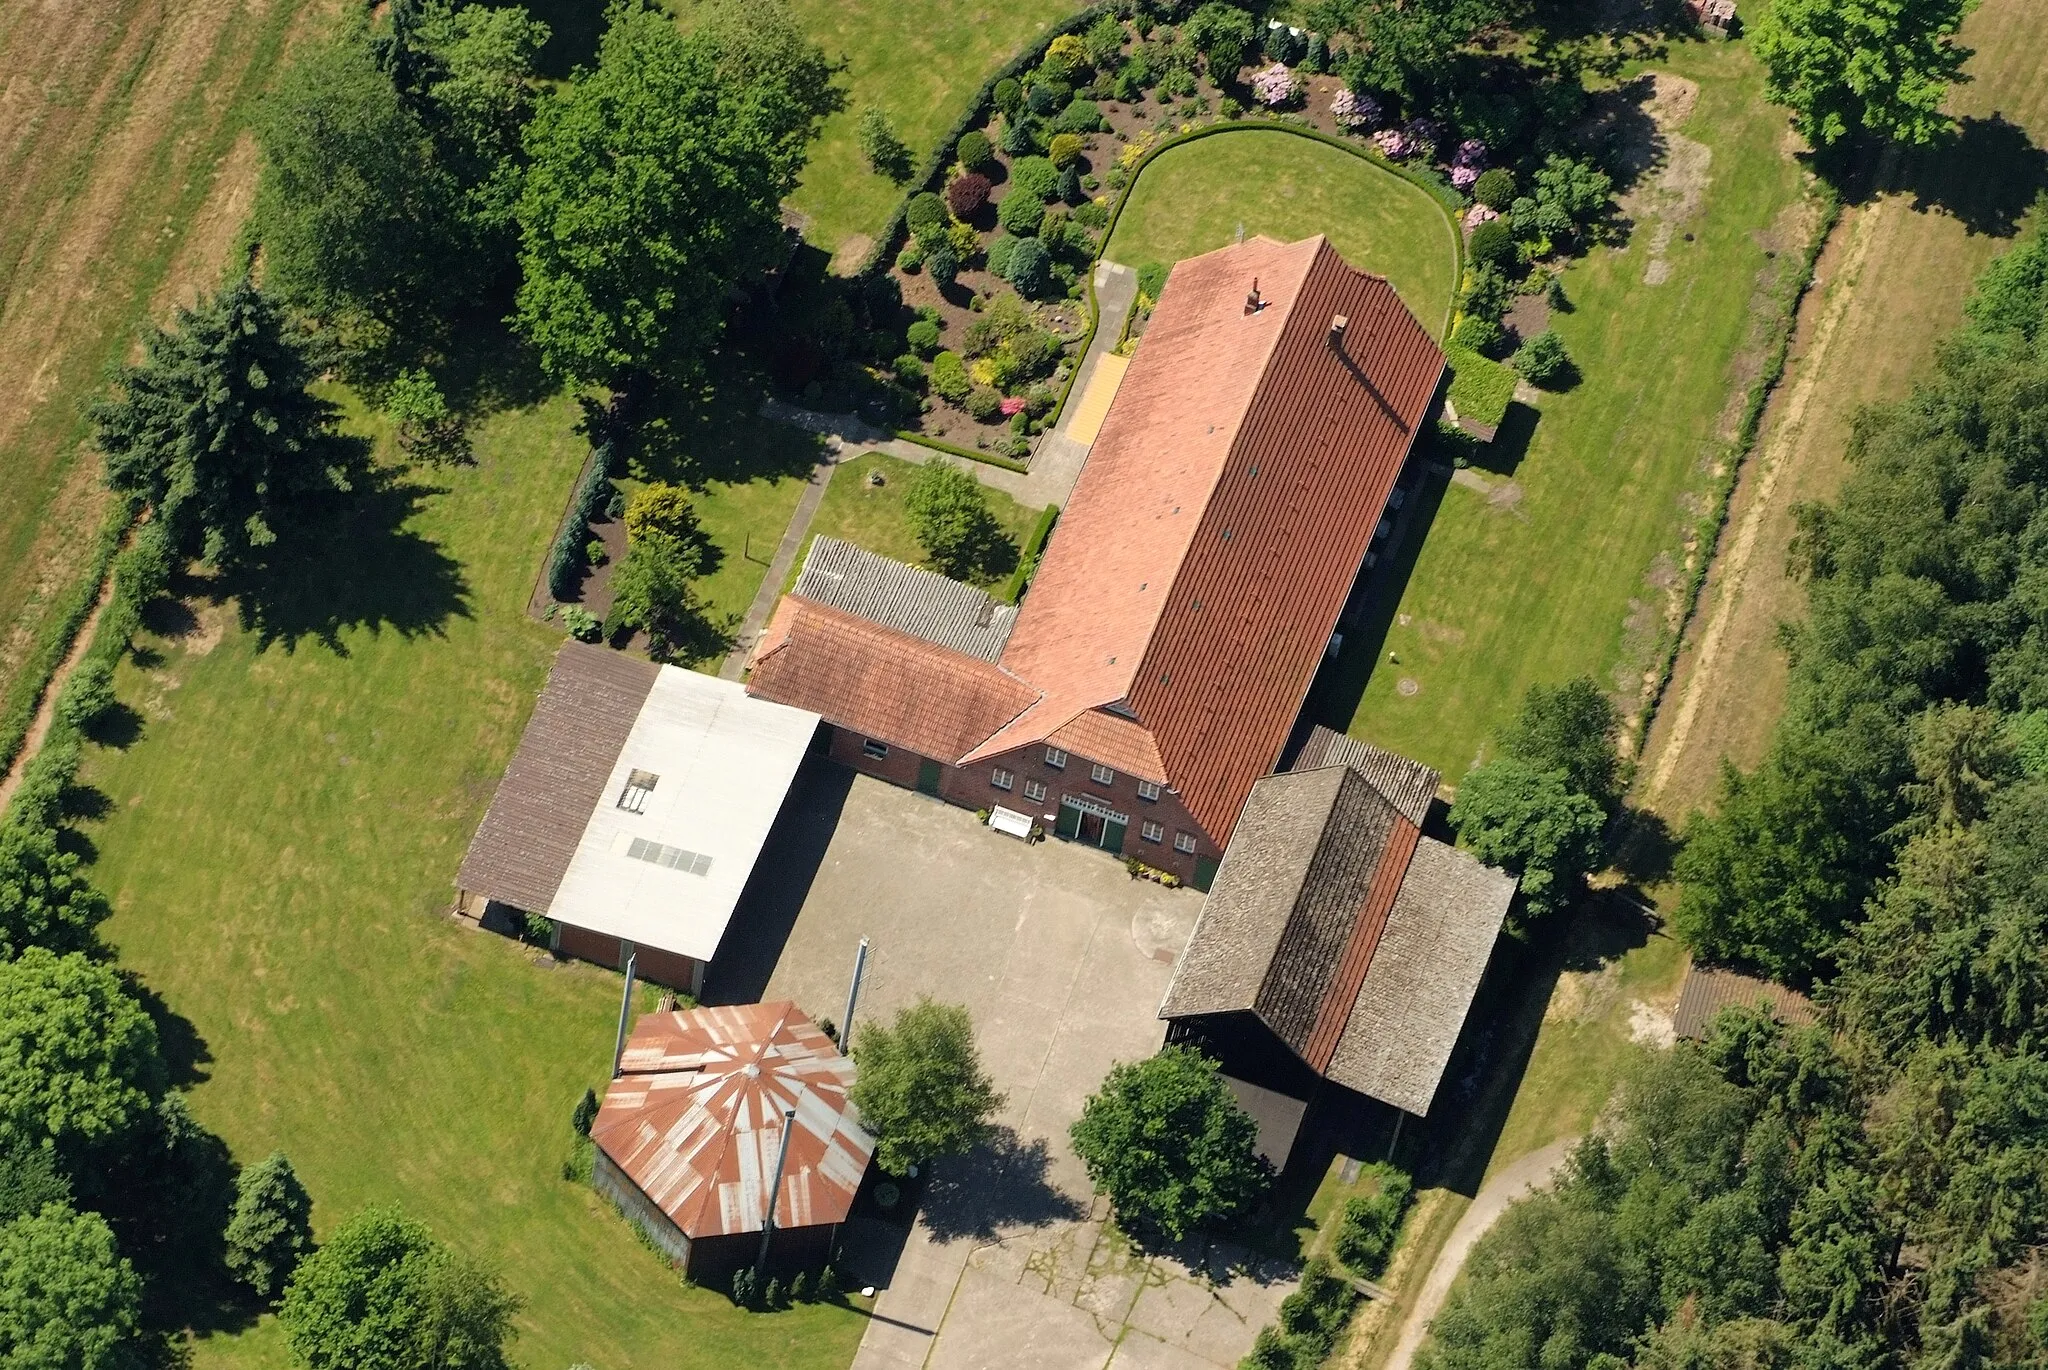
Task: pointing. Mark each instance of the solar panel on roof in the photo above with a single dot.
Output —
(673, 858)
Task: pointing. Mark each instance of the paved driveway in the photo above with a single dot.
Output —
(1062, 959)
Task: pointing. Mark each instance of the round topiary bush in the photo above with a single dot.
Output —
(1495, 188)
(1020, 136)
(967, 193)
(1065, 149)
(909, 371)
(1048, 96)
(984, 402)
(1543, 361)
(1479, 334)
(910, 258)
(1080, 116)
(1021, 211)
(1492, 244)
(1008, 95)
(949, 376)
(973, 149)
(926, 215)
(942, 266)
(1035, 174)
(923, 337)
(1030, 268)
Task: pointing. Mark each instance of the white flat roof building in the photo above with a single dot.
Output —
(636, 807)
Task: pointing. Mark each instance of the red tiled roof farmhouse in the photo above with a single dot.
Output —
(1224, 511)
(696, 1119)
(1181, 610)
(903, 690)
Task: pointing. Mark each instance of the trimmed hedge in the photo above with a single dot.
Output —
(1027, 556)
(1481, 390)
(566, 558)
(985, 458)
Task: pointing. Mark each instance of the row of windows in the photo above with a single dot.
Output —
(1150, 830)
(1099, 773)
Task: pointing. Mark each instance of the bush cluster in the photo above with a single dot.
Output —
(1370, 1223)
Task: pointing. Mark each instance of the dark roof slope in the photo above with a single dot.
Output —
(1708, 990)
(1408, 785)
(922, 603)
(1356, 940)
(585, 712)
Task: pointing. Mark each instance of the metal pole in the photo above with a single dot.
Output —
(860, 964)
(1400, 1117)
(775, 1190)
(625, 1008)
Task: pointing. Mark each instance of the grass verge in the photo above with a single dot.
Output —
(872, 516)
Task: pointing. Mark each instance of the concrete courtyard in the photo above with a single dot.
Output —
(1061, 958)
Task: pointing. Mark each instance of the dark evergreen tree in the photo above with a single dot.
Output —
(272, 1226)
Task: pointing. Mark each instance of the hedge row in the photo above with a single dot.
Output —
(565, 561)
(1481, 388)
(973, 116)
(139, 575)
(953, 449)
(53, 642)
(1027, 556)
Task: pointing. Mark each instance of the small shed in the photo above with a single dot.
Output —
(689, 1133)
(1709, 989)
(1715, 16)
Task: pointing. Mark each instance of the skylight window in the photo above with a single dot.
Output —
(639, 784)
(673, 858)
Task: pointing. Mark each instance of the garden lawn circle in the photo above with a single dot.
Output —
(1191, 197)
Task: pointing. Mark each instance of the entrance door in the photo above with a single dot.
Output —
(1113, 835)
(928, 776)
(1069, 823)
(1092, 825)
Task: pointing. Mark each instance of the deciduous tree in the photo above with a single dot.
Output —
(1166, 1140)
(68, 1301)
(656, 184)
(383, 1294)
(921, 1090)
(1881, 67)
(949, 513)
(1532, 824)
(45, 898)
(79, 1061)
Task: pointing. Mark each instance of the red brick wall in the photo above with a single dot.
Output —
(655, 965)
(899, 767)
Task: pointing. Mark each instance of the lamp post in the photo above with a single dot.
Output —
(625, 1009)
(775, 1190)
(860, 965)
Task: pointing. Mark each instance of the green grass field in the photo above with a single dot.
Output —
(1569, 569)
(1192, 198)
(919, 64)
(872, 516)
(280, 846)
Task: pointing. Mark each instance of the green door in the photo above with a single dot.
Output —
(1205, 873)
(1113, 835)
(1069, 825)
(928, 776)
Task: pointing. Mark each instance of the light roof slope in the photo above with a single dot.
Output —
(922, 603)
(667, 868)
(1428, 965)
(528, 837)
(696, 1119)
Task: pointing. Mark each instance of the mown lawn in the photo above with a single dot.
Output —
(919, 64)
(1568, 570)
(1193, 198)
(872, 516)
(280, 846)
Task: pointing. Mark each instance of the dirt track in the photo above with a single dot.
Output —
(1891, 282)
(119, 127)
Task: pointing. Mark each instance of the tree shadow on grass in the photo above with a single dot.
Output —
(353, 565)
(1987, 176)
(716, 432)
(996, 1186)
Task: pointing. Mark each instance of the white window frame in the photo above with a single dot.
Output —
(1101, 774)
(1151, 830)
(873, 748)
(1056, 758)
(1184, 843)
(1002, 779)
(1148, 790)
(1034, 791)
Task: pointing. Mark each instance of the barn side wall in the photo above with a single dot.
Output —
(643, 1212)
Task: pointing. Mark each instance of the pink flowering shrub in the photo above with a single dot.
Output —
(1013, 404)
(1423, 134)
(1463, 176)
(1478, 215)
(1392, 143)
(1467, 163)
(1275, 86)
(1354, 112)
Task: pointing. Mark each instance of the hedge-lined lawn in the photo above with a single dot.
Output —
(1191, 199)
(920, 64)
(1568, 573)
(872, 516)
(280, 849)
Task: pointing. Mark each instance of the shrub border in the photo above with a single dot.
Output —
(564, 558)
(1714, 522)
(953, 449)
(57, 637)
